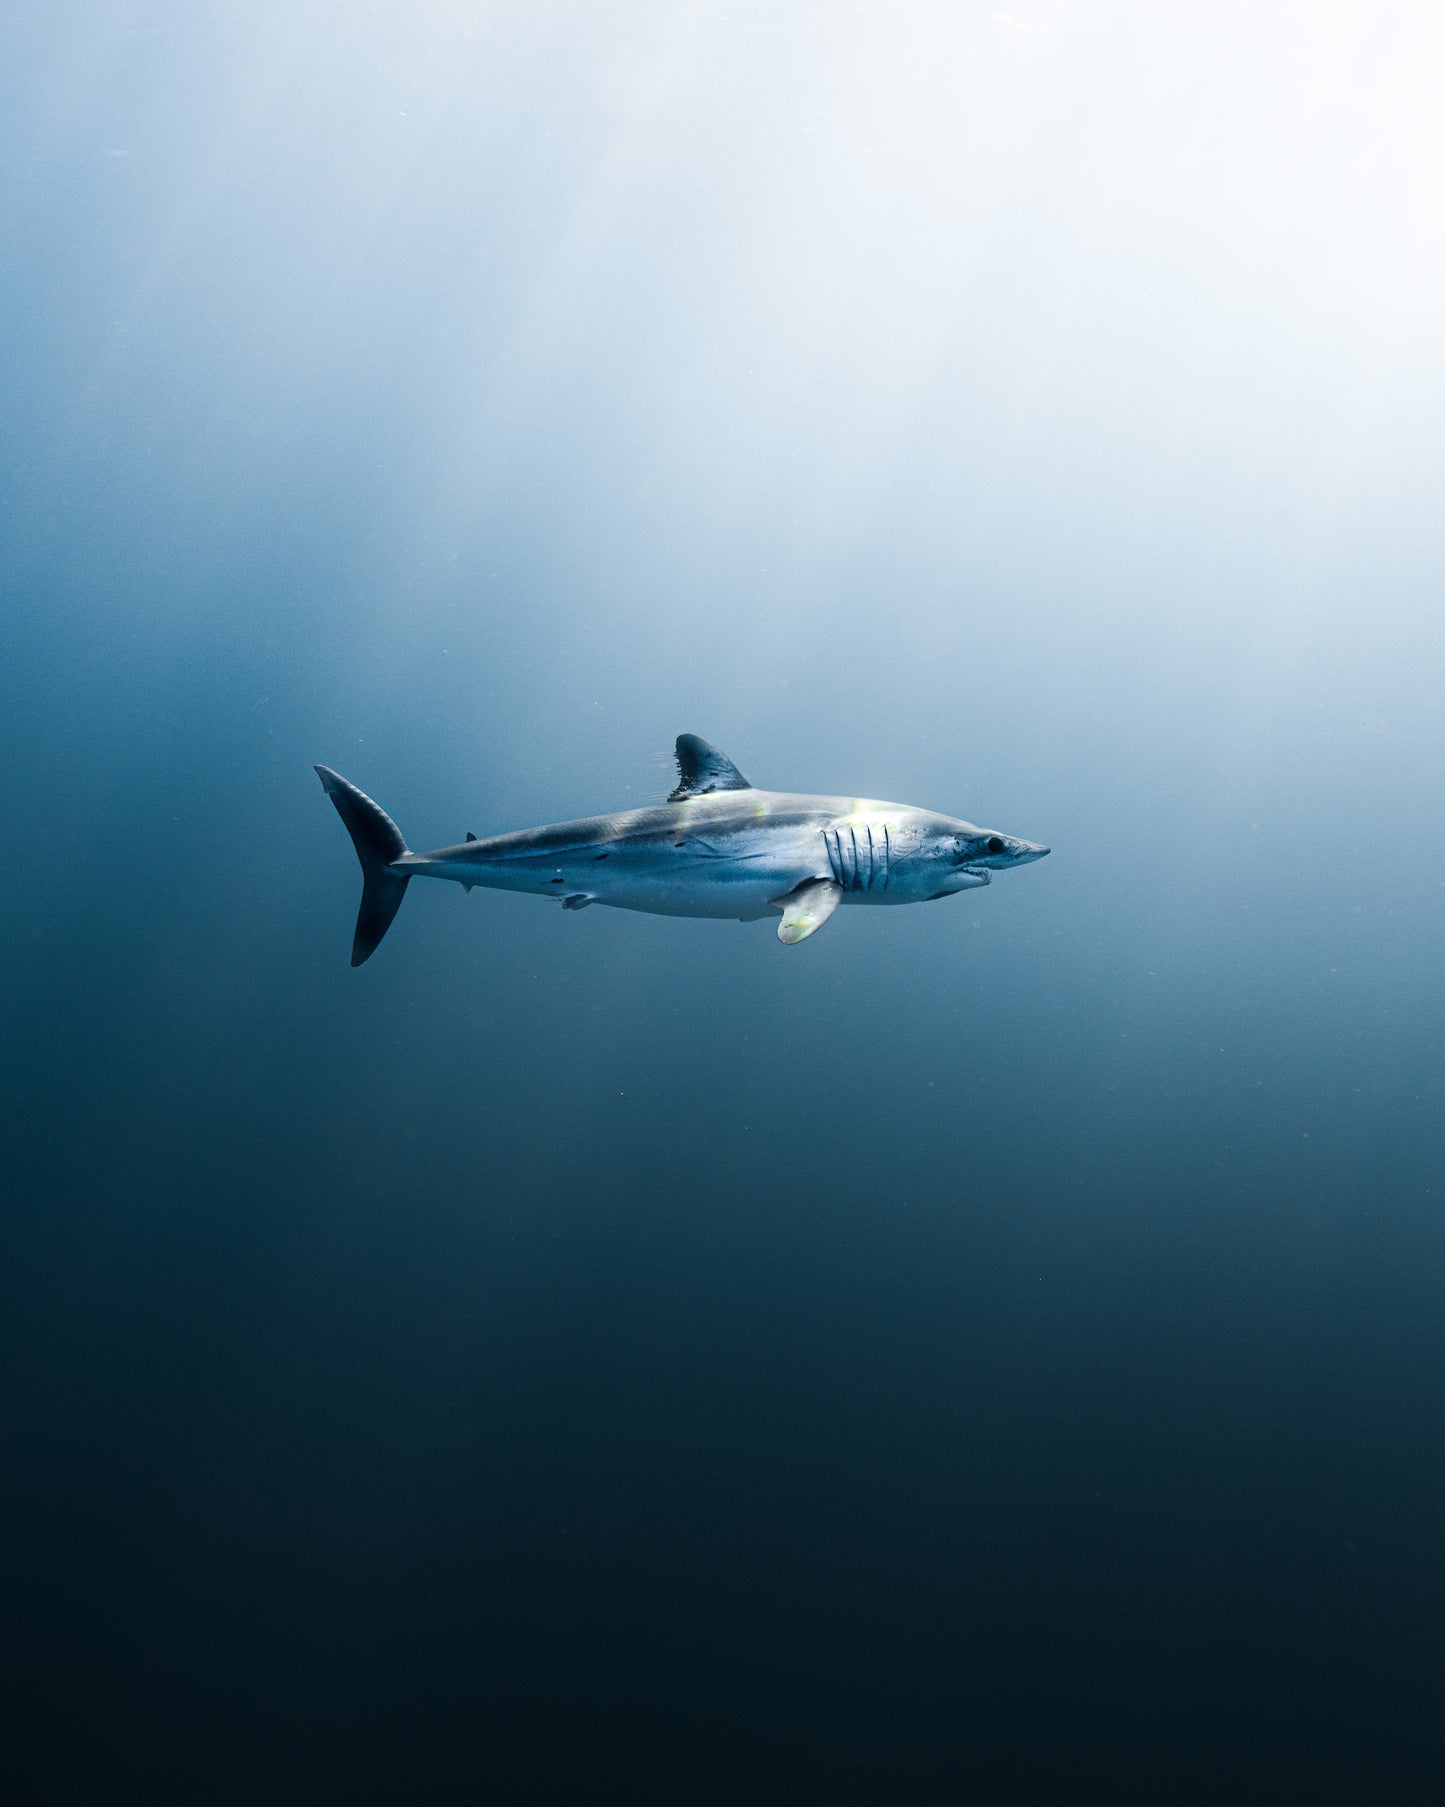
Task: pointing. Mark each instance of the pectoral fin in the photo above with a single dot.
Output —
(807, 908)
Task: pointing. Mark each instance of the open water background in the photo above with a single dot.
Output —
(993, 1351)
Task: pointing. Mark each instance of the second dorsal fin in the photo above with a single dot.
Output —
(470, 835)
(701, 769)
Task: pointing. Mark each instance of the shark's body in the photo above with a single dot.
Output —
(717, 847)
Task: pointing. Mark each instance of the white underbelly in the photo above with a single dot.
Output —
(725, 899)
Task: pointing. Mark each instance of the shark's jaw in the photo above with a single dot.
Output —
(968, 878)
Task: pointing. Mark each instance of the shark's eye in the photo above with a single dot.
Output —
(994, 844)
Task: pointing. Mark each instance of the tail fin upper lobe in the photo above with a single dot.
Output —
(378, 841)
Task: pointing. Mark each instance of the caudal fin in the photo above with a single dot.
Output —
(378, 841)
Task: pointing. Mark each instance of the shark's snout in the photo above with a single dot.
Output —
(979, 851)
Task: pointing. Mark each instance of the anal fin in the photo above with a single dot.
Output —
(578, 900)
(806, 908)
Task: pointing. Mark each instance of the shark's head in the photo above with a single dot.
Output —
(986, 849)
(961, 855)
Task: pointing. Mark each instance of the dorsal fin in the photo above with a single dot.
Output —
(701, 769)
(470, 835)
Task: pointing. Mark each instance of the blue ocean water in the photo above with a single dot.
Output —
(993, 1350)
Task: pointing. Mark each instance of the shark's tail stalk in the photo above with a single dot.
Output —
(378, 841)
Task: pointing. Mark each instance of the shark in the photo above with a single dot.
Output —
(718, 847)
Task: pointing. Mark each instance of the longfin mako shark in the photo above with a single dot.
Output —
(716, 847)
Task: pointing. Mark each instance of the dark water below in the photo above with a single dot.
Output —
(992, 1351)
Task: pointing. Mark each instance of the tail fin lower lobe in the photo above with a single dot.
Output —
(378, 841)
